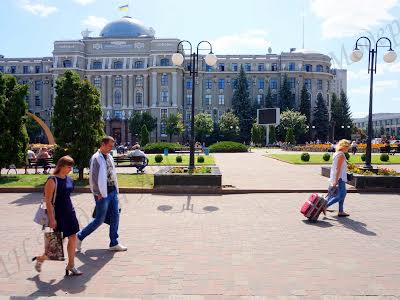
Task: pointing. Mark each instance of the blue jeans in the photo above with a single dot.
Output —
(340, 195)
(104, 205)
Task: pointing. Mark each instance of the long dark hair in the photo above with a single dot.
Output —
(62, 162)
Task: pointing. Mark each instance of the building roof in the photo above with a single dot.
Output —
(126, 27)
(378, 117)
(306, 51)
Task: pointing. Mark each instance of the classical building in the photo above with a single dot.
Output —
(133, 71)
(390, 122)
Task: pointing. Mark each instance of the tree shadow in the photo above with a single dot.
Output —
(356, 226)
(93, 261)
(28, 199)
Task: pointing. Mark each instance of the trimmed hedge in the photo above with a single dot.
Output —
(305, 156)
(326, 157)
(200, 159)
(178, 159)
(363, 156)
(158, 158)
(384, 157)
(224, 147)
(159, 147)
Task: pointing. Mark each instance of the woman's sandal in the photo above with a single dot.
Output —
(343, 214)
(74, 271)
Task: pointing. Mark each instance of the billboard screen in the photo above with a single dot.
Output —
(268, 116)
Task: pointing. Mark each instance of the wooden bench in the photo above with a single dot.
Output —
(139, 162)
(46, 163)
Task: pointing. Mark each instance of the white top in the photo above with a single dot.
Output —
(343, 170)
(102, 176)
(31, 154)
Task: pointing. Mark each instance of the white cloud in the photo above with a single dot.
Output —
(95, 22)
(379, 86)
(248, 42)
(84, 2)
(344, 18)
(38, 8)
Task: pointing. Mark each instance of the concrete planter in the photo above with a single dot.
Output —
(163, 179)
(369, 182)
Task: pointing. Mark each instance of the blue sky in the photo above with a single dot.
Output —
(29, 28)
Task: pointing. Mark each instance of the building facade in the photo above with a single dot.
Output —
(133, 71)
(389, 123)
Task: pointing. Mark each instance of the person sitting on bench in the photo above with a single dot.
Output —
(138, 158)
(41, 157)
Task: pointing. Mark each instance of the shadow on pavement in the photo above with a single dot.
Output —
(319, 223)
(356, 226)
(28, 199)
(187, 207)
(93, 261)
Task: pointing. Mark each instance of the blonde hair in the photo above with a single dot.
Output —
(62, 162)
(342, 144)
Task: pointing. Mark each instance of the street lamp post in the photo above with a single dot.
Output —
(388, 57)
(177, 59)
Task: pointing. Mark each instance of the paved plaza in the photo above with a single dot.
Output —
(214, 247)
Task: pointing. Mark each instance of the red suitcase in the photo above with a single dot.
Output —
(314, 205)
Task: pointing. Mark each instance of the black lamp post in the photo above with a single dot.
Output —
(177, 59)
(389, 57)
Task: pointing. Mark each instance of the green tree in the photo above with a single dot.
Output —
(174, 125)
(77, 118)
(203, 125)
(336, 116)
(144, 136)
(321, 119)
(242, 106)
(294, 120)
(258, 134)
(346, 115)
(268, 99)
(229, 126)
(290, 137)
(33, 129)
(137, 120)
(305, 104)
(286, 95)
(13, 108)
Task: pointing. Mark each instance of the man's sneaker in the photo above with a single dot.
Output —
(118, 247)
(78, 244)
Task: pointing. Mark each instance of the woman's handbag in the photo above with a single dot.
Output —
(41, 216)
(53, 245)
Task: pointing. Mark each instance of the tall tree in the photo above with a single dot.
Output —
(203, 125)
(242, 106)
(33, 129)
(268, 99)
(78, 126)
(336, 117)
(294, 120)
(14, 138)
(305, 104)
(321, 119)
(144, 136)
(286, 95)
(258, 134)
(346, 114)
(137, 120)
(174, 125)
(229, 126)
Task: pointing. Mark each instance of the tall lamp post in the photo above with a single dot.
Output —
(388, 57)
(177, 59)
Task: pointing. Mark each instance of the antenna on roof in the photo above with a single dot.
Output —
(303, 14)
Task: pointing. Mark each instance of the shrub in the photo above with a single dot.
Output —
(384, 157)
(200, 159)
(228, 147)
(363, 156)
(158, 158)
(178, 159)
(347, 155)
(159, 147)
(326, 157)
(305, 156)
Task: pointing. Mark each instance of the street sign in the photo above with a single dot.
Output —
(268, 116)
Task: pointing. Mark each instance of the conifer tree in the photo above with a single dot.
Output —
(321, 119)
(286, 95)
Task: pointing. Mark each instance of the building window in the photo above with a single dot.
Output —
(259, 99)
(1, 69)
(261, 67)
(221, 99)
(67, 63)
(139, 64)
(247, 67)
(189, 99)
(164, 96)
(164, 62)
(26, 69)
(117, 97)
(97, 82)
(139, 98)
(189, 84)
(118, 65)
(163, 113)
(221, 67)
(207, 100)
(261, 84)
(38, 85)
(319, 84)
(118, 81)
(307, 83)
(139, 81)
(97, 65)
(308, 68)
(320, 68)
(274, 67)
(37, 69)
(38, 101)
(292, 82)
(118, 114)
(13, 69)
(292, 66)
(208, 68)
(273, 84)
(208, 84)
(221, 83)
(164, 79)
(234, 67)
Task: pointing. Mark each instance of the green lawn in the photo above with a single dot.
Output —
(317, 159)
(170, 160)
(38, 180)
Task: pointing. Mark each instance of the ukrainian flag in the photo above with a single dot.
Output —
(124, 7)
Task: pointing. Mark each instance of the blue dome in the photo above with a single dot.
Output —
(126, 27)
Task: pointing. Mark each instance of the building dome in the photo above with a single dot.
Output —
(126, 28)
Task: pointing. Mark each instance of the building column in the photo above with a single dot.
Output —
(123, 131)
(131, 98)
(75, 61)
(124, 66)
(146, 101)
(109, 91)
(108, 127)
(153, 89)
(103, 66)
(124, 91)
(103, 91)
(88, 63)
(154, 60)
(55, 63)
(174, 90)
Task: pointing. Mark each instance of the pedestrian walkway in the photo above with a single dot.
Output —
(212, 247)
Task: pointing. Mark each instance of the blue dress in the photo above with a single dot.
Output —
(65, 215)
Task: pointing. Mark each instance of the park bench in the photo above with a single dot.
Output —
(45, 163)
(139, 162)
(389, 150)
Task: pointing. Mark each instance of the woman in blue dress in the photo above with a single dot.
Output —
(61, 214)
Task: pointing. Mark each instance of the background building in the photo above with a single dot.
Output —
(134, 72)
(389, 123)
